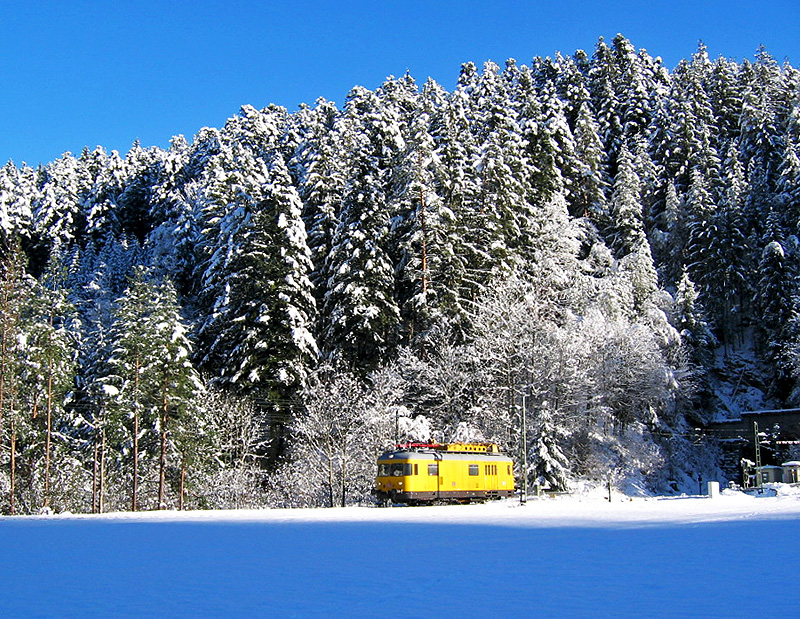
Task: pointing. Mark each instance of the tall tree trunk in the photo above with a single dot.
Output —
(2, 382)
(344, 474)
(101, 496)
(48, 433)
(183, 483)
(135, 490)
(135, 493)
(331, 475)
(10, 300)
(12, 489)
(95, 474)
(162, 465)
(4, 340)
(424, 229)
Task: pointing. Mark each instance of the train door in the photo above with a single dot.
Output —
(490, 476)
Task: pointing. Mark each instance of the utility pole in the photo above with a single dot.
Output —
(757, 444)
(523, 498)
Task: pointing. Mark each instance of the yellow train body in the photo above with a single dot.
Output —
(460, 472)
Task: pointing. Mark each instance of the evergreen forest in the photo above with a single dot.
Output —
(250, 318)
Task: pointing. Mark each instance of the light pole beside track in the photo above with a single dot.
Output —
(523, 497)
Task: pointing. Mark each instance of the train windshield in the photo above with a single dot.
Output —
(395, 469)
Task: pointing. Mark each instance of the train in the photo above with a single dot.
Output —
(426, 473)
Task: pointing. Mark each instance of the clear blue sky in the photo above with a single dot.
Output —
(78, 73)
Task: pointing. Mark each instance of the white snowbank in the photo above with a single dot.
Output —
(552, 557)
(558, 511)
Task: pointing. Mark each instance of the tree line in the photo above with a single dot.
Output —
(600, 240)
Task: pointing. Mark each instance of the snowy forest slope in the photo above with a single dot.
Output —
(251, 317)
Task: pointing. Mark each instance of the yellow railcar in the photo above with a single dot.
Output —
(453, 472)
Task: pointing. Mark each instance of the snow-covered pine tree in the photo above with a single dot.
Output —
(546, 140)
(176, 384)
(135, 201)
(730, 255)
(775, 290)
(587, 195)
(17, 191)
(725, 99)
(12, 297)
(626, 233)
(47, 374)
(701, 228)
(500, 219)
(152, 381)
(58, 218)
(175, 207)
(263, 340)
(457, 183)
(108, 175)
(360, 308)
(429, 266)
(787, 188)
(687, 317)
(319, 168)
(549, 465)
(633, 89)
(234, 184)
(131, 353)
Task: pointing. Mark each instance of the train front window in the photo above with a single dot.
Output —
(399, 469)
(396, 469)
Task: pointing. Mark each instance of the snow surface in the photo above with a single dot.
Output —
(552, 557)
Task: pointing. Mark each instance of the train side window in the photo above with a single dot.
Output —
(406, 469)
(416, 469)
(508, 469)
(433, 469)
(474, 470)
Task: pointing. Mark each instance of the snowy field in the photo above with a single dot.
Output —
(731, 556)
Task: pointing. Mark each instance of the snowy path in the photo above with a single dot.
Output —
(689, 557)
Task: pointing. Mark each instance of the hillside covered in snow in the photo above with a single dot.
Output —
(249, 318)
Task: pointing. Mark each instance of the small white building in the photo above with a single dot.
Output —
(791, 472)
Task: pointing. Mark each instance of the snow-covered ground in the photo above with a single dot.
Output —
(730, 556)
